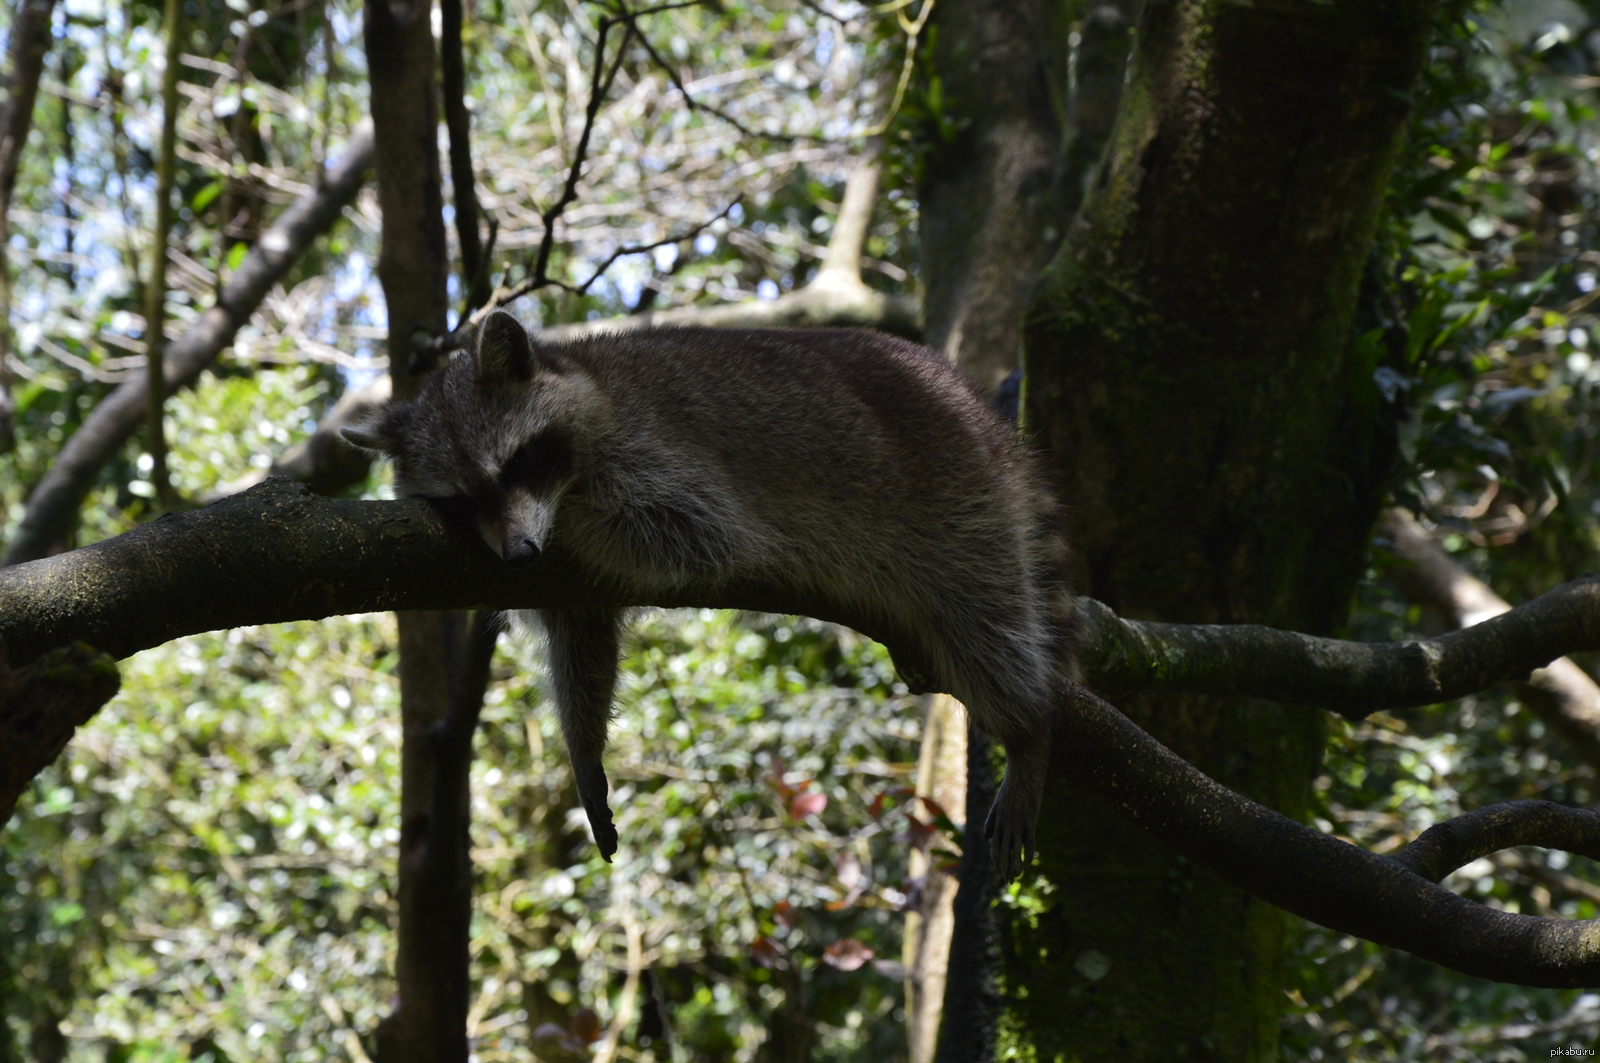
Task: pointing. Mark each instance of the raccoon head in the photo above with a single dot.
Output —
(489, 438)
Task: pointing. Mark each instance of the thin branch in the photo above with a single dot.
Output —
(717, 112)
(155, 289)
(30, 42)
(452, 63)
(502, 297)
(599, 86)
(913, 31)
(640, 249)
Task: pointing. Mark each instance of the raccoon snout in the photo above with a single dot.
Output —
(521, 553)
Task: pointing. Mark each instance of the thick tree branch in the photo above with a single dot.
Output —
(1315, 875)
(279, 553)
(54, 502)
(1350, 678)
(41, 705)
(1561, 694)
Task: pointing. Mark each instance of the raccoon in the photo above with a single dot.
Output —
(840, 466)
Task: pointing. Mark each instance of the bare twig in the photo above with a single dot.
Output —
(502, 297)
(717, 112)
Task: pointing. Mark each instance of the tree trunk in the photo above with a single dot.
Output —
(995, 198)
(428, 1023)
(1189, 372)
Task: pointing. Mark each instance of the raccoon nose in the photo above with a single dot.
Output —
(521, 553)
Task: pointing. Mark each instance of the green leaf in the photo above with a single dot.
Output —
(204, 198)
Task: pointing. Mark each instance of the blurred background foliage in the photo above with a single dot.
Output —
(204, 875)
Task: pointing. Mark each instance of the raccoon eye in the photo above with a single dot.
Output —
(459, 509)
(538, 463)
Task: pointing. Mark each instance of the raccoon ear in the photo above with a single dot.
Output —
(377, 432)
(506, 352)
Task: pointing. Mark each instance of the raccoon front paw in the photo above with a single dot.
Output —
(592, 789)
(1010, 838)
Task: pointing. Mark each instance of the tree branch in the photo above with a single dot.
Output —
(452, 65)
(41, 706)
(1444, 847)
(1320, 877)
(280, 553)
(1350, 678)
(54, 502)
(1561, 694)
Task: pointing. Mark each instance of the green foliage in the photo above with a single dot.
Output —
(212, 862)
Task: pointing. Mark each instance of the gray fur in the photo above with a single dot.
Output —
(852, 467)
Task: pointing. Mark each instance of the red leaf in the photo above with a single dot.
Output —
(785, 914)
(807, 803)
(847, 954)
(918, 832)
(586, 1026)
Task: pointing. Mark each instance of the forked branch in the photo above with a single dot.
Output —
(1392, 901)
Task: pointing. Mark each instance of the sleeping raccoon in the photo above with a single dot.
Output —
(845, 466)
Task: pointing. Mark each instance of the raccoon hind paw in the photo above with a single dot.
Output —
(1011, 841)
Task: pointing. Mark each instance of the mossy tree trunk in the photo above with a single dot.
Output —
(1189, 370)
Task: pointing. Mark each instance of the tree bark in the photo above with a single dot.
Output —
(474, 269)
(989, 215)
(1187, 369)
(992, 212)
(155, 289)
(428, 1023)
(30, 43)
(41, 705)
